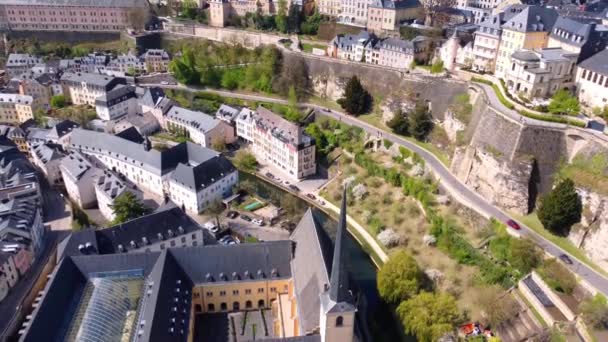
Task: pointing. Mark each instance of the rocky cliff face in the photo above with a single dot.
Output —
(591, 234)
(503, 182)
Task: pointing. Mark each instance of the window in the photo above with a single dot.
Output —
(248, 304)
(248, 291)
(209, 294)
(222, 293)
(260, 303)
(224, 306)
(339, 321)
(273, 289)
(236, 306)
(261, 290)
(173, 243)
(235, 292)
(162, 246)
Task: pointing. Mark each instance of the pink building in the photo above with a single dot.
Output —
(71, 15)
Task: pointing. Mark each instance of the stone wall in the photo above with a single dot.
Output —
(65, 37)
(591, 234)
(226, 35)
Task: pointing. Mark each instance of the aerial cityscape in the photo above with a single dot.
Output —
(304, 170)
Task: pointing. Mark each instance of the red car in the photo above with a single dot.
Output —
(513, 225)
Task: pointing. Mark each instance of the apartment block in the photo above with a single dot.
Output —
(203, 129)
(156, 60)
(16, 109)
(592, 80)
(276, 141)
(71, 15)
(584, 38)
(85, 88)
(116, 103)
(529, 29)
(19, 63)
(540, 73)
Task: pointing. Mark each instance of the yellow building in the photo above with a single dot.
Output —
(16, 109)
(527, 30)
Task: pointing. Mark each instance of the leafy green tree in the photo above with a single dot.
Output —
(420, 121)
(437, 66)
(311, 23)
(523, 255)
(231, 79)
(293, 113)
(429, 316)
(560, 208)
(127, 207)
(245, 161)
(399, 278)
(356, 99)
(294, 18)
(58, 101)
(564, 102)
(497, 304)
(557, 276)
(40, 118)
(215, 209)
(281, 18)
(399, 123)
(595, 311)
(189, 9)
(184, 67)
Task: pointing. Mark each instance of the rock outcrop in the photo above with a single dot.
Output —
(591, 234)
(503, 182)
(452, 125)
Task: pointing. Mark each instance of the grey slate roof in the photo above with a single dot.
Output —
(227, 113)
(47, 153)
(525, 55)
(98, 80)
(392, 4)
(597, 63)
(119, 94)
(198, 120)
(78, 3)
(339, 290)
(532, 19)
(204, 174)
(62, 128)
(76, 165)
(311, 266)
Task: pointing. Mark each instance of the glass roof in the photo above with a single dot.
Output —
(108, 308)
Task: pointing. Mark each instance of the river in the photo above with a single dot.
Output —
(382, 324)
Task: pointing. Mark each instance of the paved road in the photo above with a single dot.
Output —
(456, 188)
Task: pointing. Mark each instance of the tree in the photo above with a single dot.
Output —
(294, 18)
(356, 99)
(523, 255)
(189, 9)
(245, 161)
(58, 101)
(429, 316)
(127, 207)
(399, 278)
(215, 209)
(557, 276)
(138, 18)
(281, 18)
(40, 118)
(311, 23)
(420, 121)
(184, 67)
(560, 208)
(437, 66)
(398, 123)
(293, 114)
(219, 144)
(294, 72)
(435, 11)
(563, 102)
(497, 305)
(595, 311)
(131, 71)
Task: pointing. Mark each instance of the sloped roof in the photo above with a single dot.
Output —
(532, 19)
(203, 174)
(597, 63)
(311, 266)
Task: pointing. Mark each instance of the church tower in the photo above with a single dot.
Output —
(337, 317)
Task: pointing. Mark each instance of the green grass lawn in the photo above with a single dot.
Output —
(534, 223)
(306, 47)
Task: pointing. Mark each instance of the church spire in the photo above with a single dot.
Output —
(338, 283)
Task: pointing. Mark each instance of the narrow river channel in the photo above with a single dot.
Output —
(382, 325)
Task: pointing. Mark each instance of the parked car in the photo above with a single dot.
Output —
(566, 259)
(164, 83)
(258, 222)
(294, 188)
(513, 224)
(246, 218)
(232, 214)
(311, 196)
(226, 240)
(210, 226)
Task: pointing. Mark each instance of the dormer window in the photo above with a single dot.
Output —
(339, 321)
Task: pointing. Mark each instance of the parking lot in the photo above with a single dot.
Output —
(245, 228)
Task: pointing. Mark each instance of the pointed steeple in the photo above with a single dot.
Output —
(338, 283)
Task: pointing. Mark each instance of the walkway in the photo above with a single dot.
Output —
(460, 191)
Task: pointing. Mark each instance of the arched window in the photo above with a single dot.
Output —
(198, 308)
(339, 321)
(248, 304)
(224, 306)
(236, 306)
(260, 303)
(210, 307)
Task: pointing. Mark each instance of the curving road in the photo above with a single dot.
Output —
(448, 180)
